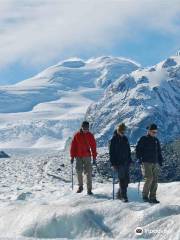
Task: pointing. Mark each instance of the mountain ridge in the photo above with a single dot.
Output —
(144, 96)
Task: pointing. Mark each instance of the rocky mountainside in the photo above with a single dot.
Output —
(144, 96)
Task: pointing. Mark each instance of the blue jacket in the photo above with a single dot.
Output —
(119, 150)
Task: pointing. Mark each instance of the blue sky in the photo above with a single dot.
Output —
(37, 34)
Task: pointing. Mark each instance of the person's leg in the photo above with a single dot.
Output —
(116, 174)
(124, 185)
(88, 172)
(123, 181)
(117, 171)
(123, 188)
(79, 170)
(154, 184)
(148, 178)
(126, 180)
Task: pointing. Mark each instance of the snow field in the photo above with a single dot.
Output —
(35, 205)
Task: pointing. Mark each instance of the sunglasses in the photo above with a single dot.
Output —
(85, 129)
(154, 132)
(121, 132)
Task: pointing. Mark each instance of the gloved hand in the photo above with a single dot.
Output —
(115, 167)
(94, 161)
(72, 160)
(138, 161)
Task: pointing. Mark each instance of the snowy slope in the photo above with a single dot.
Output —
(144, 96)
(42, 111)
(34, 205)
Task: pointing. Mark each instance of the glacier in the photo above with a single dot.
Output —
(35, 204)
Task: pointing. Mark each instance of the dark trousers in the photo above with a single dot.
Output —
(123, 175)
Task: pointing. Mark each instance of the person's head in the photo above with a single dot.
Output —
(152, 130)
(85, 126)
(121, 128)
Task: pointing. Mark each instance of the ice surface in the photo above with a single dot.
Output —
(34, 205)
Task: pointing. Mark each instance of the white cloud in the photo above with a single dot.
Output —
(37, 31)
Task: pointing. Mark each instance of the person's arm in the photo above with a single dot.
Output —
(139, 149)
(112, 151)
(129, 153)
(160, 158)
(73, 148)
(93, 147)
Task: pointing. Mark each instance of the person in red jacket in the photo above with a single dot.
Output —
(83, 147)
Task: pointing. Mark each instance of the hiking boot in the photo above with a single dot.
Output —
(124, 196)
(89, 192)
(124, 199)
(80, 189)
(154, 200)
(145, 199)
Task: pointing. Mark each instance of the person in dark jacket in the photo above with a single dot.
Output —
(148, 151)
(120, 158)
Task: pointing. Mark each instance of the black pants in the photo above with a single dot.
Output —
(123, 175)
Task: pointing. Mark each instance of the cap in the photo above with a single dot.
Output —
(152, 126)
(85, 125)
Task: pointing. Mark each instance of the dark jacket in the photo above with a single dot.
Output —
(148, 149)
(119, 150)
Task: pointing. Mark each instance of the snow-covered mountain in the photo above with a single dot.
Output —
(144, 96)
(44, 110)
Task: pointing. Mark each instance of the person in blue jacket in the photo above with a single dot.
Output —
(120, 158)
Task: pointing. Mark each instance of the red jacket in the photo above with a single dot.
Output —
(83, 145)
